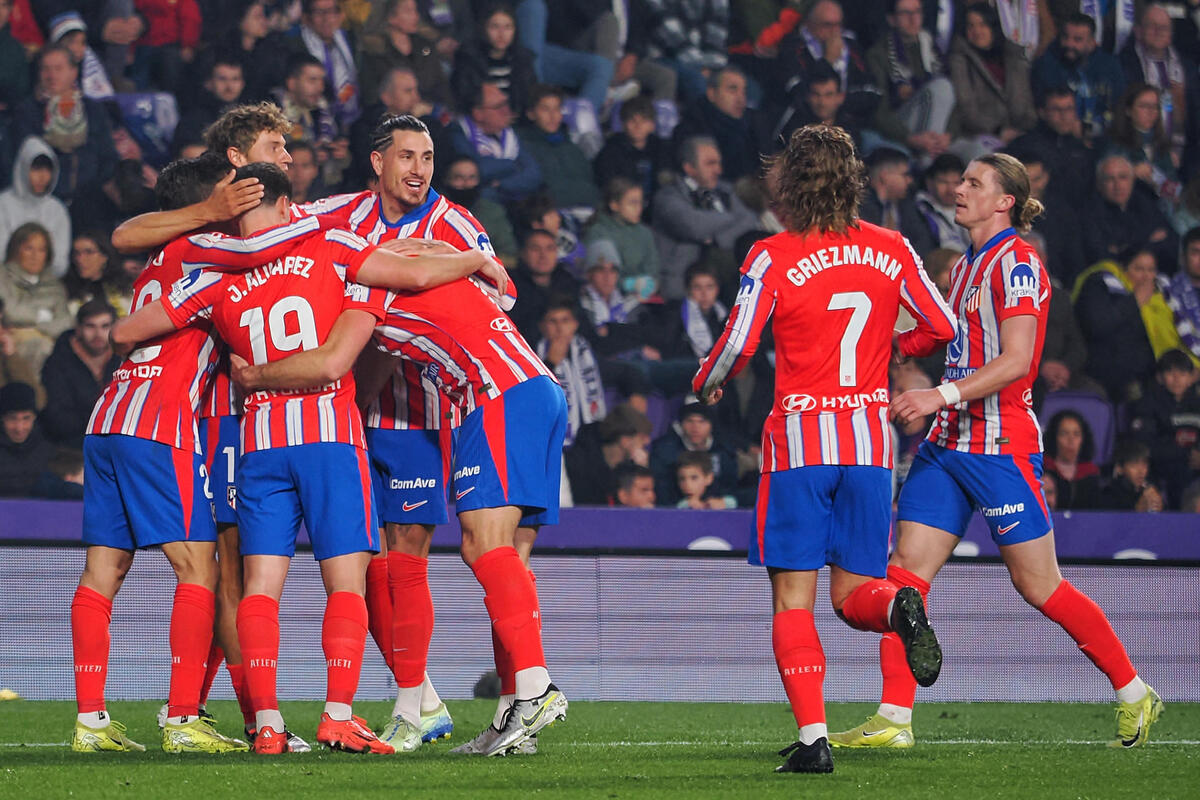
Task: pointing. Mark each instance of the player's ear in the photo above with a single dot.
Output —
(283, 205)
(377, 162)
(235, 157)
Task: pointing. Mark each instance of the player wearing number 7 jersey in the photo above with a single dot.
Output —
(834, 286)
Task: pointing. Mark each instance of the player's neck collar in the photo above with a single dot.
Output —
(988, 245)
(412, 216)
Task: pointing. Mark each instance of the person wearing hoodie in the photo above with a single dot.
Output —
(24, 452)
(565, 169)
(31, 198)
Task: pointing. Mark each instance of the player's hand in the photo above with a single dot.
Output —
(418, 247)
(711, 398)
(898, 356)
(916, 404)
(495, 272)
(230, 198)
(241, 372)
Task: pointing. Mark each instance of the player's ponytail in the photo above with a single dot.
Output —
(1014, 180)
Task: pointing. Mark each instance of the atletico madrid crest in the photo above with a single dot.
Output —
(972, 299)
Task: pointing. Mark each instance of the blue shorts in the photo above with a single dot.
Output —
(325, 484)
(807, 517)
(221, 446)
(140, 493)
(945, 486)
(509, 452)
(411, 472)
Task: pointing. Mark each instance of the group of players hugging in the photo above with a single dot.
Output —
(269, 308)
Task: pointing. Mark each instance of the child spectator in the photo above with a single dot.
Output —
(565, 169)
(601, 296)
(63, 476)
(540, 213)
(1167, 420)
(572, 361)
(1129, 489)
(694, 475)
(31, 199)
(693, 432)
(635, 486)
(620, 222)
(1050, 490)
(634, 152)
(69, 30)
(1070, 448)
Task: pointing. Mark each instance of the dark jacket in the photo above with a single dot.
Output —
(21, 464)
(592, 480)
(532, 299)
(912, 222)
(619, 158)
(1100, 73)
(71, 392)
(739, 140)
(83, 171)
(471, 64)
(1111, 232)
(1072, 163)
(1119, 494)
(666, 449)
(379, 55)
(1079, 494)
(1119, 351)
(797, 63)
(1171, 428)
(565, 169)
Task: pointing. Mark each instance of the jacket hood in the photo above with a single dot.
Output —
(30, 149)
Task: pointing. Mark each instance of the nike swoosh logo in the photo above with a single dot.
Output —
(1003, 529)
(874, 733)
(529, 721)
(1137, 735)
(410, 506)
(459, 495)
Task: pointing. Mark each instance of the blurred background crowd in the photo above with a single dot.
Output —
(612, 149)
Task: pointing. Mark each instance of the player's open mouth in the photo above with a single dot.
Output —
(415, 184)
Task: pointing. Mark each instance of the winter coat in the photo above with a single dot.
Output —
(634, 243)
(71, 392)
(565, 169)
(18, 205)
(984, 106)
(40, 304)
(21, 464)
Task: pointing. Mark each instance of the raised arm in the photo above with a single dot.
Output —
(417, 273)
(147, 322)
(156, 228)
(325, 364)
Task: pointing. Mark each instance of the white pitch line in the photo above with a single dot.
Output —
(682, 743)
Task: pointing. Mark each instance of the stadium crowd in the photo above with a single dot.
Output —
(612, 152)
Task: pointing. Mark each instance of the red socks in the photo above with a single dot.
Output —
(504, 668)
(191, 634)
(512, 603)
(899, 685)
(412, 617)
(867, 606)
(1080, 617)
(215, 656)
(379, 607)
(258, 636)
(91, 614)
(237, 676)
(343, 636)
(801, 663)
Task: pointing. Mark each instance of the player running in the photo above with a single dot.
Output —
(145, 486)
(984, 451)
(834, 285)
(304, 451)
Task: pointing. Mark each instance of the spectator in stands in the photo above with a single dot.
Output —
(75, 127)
(1183, 294)
(601, 297)
(1121, 217)
(14, 368)
(14, 65)
(539, 212)
(696, 213)
(619, 222)
(1070, 448)
(820, 101)
(937, 204)
(321, 36)
(262, 52)
(690, 37)
(1064, 351)
(30, 198)
(635, 152)
(565, 169)
(1150, 57)
(1120, 356)
(1130, 488)
(694, 478)
(303, 102)
(886, 203)
(538, 277)
(224, 87)
(635, 486)
(63, 476)
(566, 39)
(35, 301)
(1058, 223)
(1138, 134)
(305, 172)
(1167, 419)
(167, 45)
(76, 372)
(991, 81)
(113, 26)
(618, 30)
(722, 115)
(620, 438)
(1094, 77)
(1050, 490)
(462, 187)
(692, 325)
(916, 96)
(92, 273)
(24, 452)
(507, 172)
(401, 44)
(693, 432)
(70, 31)
(495, 57)
(1059, 138)
(573, 363)
(398, 94)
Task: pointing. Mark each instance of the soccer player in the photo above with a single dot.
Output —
(145, 486)
(834, 285)
(304, 449)
(506, 463)
(984, 451)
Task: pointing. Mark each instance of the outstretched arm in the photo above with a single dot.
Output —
(142, 325)
(325, 364)
(419, 272)
(156, 228)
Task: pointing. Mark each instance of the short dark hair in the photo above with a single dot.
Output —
(541, 91)
(42, 161)
(625, 473)
(561, 302)
(696, 270)
(298, 61)
(689, 148)
(1174, 359)
(65, 461)
(1056, 91)
(296, 145)
(624, 420)
(1079, 18)
(274, 180)
(886, 157)
(714, 76)
(640, 106)
(695, 458)
(616, 188)
(532, 232)
(381, 134)
(822, 72)
(1129, 449)
(946, 162)
(1193, 235)
(225, 58)
(94, 308)
(187, 181)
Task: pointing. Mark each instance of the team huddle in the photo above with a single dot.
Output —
(235, 417)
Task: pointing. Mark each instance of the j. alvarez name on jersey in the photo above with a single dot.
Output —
(298, 266)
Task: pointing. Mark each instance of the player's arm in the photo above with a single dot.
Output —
(147, 322)
(738, 342)
(415, 273)
(1018, 339)
(936, 324)
(153, 229)
(317, 367)
(371, 373)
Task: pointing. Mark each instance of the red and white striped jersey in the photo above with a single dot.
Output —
(835, 299)
(157, 390)
(286, 304)
(1003, 279)
(222, 399)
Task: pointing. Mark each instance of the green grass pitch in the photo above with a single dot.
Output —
(628, 750)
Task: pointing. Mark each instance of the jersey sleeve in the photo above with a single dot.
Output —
(936, 324)
(193, 296)
(1019, 286)
(347, 252)
(363, 298)
(743, 330)
(235, 254)
(338, 206)
(461, 229)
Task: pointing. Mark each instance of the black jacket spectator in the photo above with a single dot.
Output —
(1171, 428)
(912, 222)
(619, 158)
(1112, 232)
(71, 392)
(1071, 162)
(666, 449)
(24, 452)
(473, 64)
(740, 139)
(1119, 352)
(532, 298)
